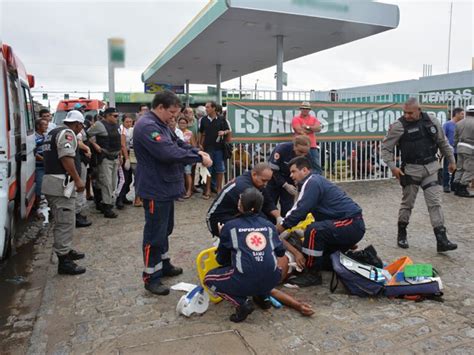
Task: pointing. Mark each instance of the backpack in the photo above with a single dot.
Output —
(365, 280)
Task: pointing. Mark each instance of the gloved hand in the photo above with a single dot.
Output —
(291, 189)
(126, 165)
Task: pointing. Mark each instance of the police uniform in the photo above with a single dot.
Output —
(279, 159)
(109, 139)
(159, 180)
(418, 142)
(224, 207)
(247, 250)
(338, 220)
(464, 143)
(61, 142)
(81, 202)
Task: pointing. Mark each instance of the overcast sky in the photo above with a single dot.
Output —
(64, 44)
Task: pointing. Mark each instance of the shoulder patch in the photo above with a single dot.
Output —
(276, 156)
(68, 136)
(155, 136)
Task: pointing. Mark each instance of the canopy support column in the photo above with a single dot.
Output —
(218, 85)
(279, 66)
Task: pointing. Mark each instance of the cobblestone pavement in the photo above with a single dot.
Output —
(107, 310)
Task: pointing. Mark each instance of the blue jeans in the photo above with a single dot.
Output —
(39, 173)
(314, 152)
(218, 164)
(159, 223)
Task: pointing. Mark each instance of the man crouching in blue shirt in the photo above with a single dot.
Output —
(338, 221)
(159, 180)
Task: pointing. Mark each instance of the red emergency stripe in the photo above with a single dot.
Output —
(12, 190)
(30, 205)
(343, 223)
(309, 260)
(30, 182)
(147, 254)
(151, 206)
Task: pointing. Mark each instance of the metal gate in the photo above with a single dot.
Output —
(342, 161)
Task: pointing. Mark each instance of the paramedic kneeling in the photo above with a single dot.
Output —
(247, 251)
(338, 221)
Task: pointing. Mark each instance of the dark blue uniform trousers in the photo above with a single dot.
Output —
(280, 194)
(159, 223)
(235, 287)
(329, 236)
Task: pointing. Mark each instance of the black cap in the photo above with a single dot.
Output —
(110, 110)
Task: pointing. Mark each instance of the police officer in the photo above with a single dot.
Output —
(281, 187)
(225, 206)
(247, 250)
(338, 221)
(161, 157)
(418, 137)
(464, 143)
(62, 171)
(107, 141)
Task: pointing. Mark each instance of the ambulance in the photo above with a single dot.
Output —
(17, 145)
(91, 107)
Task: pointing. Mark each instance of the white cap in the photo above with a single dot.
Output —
(470, 108)
(74, 116)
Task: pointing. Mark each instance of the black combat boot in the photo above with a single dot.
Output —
(242, 312)
(108, 212)
(463, 192)
(81, 221)
(76, 255)
(170, 270)
(455, 187)
(442, 242)
(66, 266)
(157, 288)
(402, 241)
(309, 277)
(262, 301)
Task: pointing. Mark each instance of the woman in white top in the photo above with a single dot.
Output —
(126, 130)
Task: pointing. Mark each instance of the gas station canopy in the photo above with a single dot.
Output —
(240, 36)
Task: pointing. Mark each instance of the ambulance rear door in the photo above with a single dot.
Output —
(28, 145)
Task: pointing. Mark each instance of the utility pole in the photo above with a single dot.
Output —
(449, 38)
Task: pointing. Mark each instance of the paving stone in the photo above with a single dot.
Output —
(423, 330)
(470, 333)
(383, 343)
(355, 336)
(107, 310)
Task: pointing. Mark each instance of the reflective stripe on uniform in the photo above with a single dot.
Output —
(152, 270)
(219, 200)
(300, 196)
(312, 252)
(165, 256)
(235, 245)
